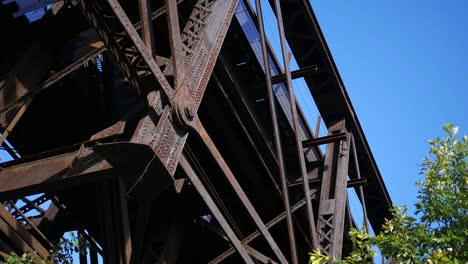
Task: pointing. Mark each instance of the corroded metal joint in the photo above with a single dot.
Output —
(183, 110)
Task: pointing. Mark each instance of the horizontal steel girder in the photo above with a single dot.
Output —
(38, 176)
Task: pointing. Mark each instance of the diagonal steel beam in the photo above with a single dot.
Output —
(257, 233)
(98, 49)
(238, 189)
(31, 224)
(134, 53)
(19, 236)
(214, 209)
(14, 121)
(202, 54)
(253, 252)
(202, 39)
(144, 51)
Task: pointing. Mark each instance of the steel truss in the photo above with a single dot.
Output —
(146, 159)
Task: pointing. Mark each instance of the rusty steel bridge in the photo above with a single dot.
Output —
(168, 132)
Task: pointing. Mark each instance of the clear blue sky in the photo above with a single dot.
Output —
(405, 66)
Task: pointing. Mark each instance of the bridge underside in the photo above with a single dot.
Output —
(146, 127)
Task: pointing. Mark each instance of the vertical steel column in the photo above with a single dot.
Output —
(144, 6)
(93, 256)
(361, 190)
(175, 41)
(317, 127)
(82, 248)
(292, 102)
(114, 222)
(106, 223)
(279, 148)
(330, 224)
(122, 215)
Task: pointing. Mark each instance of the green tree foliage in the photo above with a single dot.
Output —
(361, 254)
(62, 253)
(440, 231)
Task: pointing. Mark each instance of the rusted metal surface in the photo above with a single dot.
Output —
(360, 188)
(28, 178)
(30, 205)
(314, 182)
(276, 134)
(330, 224)
(201, 54)
(309, 47)
(317, 126)
(122, 214)
(295, 74)
(31, 224)
(239, 191)
(292, 101)
(214, 209)
(262, 258)
(128, 56)
(257, 233)
(19, 236)
(164, 137)
(147, 25)
(125, 182)
(58, 170)
(324, 140)
(175, 43)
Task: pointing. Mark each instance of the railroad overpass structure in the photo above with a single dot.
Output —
(168, 132)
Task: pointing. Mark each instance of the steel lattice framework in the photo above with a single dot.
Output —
(169, 132)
